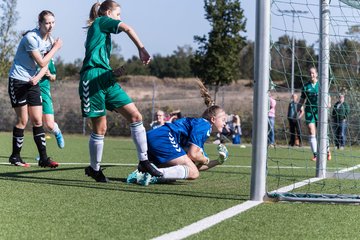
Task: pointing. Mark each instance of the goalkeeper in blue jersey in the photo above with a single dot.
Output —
(309, 96)
(177, 148)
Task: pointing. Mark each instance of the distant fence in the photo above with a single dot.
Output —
(148, 93)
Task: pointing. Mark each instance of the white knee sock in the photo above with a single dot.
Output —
(96, 146)
(56, 129)
(175, 172)
(138, 134)
(313, 143)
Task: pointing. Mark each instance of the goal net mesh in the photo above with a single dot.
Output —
(295, 34)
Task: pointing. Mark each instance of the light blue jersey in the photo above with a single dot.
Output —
(24, 66)
(174, 139)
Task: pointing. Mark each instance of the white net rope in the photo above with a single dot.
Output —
(295, 35)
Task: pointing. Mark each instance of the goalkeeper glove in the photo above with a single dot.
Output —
(223, 153)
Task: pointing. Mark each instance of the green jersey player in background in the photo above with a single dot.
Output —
(47, 104)
(309, 96)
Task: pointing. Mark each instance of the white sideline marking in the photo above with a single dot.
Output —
(348, 169)
(208, 221)
(223, 215)
(230, 212)
(297, 185)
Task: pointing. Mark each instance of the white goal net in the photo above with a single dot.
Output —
(295, 47)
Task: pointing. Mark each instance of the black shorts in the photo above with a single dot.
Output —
(23, 93)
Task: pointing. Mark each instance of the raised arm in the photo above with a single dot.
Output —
(44, 61)
(143, 54)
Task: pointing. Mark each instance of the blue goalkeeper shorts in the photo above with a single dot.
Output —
(163, 145)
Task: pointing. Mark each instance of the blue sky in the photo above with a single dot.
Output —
(162, 25)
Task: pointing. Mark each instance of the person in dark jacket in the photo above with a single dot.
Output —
(340, 113)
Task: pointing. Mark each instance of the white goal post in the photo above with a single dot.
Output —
(290, 37)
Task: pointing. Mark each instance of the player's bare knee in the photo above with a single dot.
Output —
(21, 123)
(136, 117)
(193, 174)
(37, 123)
(100, 130)
(48, 126)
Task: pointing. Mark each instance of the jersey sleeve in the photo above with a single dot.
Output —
(109, 25)
(31, 43)
(200, 133)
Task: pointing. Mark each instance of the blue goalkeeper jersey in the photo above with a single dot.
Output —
(191, 131)
(174, 139)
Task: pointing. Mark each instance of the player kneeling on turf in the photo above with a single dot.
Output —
(177, 149)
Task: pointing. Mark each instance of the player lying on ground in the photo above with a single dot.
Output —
(177, 148)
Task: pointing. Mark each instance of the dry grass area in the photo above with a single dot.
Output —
(184, 94)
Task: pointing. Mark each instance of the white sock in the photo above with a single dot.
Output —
(313, 143)
(56, 129)
(96, 146)
(175, 172)
(138, 134)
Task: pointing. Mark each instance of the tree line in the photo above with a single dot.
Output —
(223, 55)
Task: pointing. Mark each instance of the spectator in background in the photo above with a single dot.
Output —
(271, 121)
(236, 129)
(295, 113)
(160, 119)
(339, 116)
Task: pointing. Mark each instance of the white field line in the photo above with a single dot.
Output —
(223, 215)
(231, 212)
(348, 169)
(208, 221)
(133, 164)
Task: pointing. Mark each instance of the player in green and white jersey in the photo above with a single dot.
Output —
(100, 92)
(47, 104)
(309, 96)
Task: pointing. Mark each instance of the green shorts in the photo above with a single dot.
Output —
(311, 115)
(99, 91)
(47, 104)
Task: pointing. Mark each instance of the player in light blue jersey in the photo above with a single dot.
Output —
(178, 148)
(29, 66)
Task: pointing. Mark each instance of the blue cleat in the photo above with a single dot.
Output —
(135, 177)
(60, 140)
(147, 179)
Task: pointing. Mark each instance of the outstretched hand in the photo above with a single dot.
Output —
(223, 153)
(144, 56)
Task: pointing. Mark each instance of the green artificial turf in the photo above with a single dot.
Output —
(63, 203)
